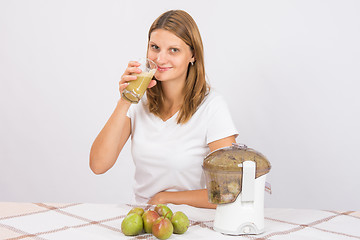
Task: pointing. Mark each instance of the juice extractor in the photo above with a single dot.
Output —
(235, 180)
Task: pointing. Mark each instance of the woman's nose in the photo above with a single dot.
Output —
(161, 58)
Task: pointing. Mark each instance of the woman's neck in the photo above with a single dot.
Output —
(173, 92)
(173, 98)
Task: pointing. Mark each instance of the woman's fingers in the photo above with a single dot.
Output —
(122, 87)
(128, 75)
(152, 83)
(126, 78)
(131, 70)
(133, 64)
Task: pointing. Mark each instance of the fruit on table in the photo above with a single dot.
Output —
(162, 228)
(132, 224)
(137, 210)
(163, 210)
(161, 222)
(180, 222)
(149, 217)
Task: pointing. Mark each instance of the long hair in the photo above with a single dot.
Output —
(196, 88)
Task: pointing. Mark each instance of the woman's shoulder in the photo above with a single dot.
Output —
(212, 103)
(213, 98)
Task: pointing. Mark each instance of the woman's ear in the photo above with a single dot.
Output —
(193, 56)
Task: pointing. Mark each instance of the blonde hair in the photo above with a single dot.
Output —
(196, 88)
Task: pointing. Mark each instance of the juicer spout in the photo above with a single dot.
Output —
(248, 181)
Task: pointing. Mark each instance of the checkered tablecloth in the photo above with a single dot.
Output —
(103, 221)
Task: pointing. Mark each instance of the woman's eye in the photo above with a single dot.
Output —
(154, 47)
(174, 50)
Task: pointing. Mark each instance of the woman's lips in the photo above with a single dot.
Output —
(163, 69)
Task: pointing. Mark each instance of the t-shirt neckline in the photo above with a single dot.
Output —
(171, 118)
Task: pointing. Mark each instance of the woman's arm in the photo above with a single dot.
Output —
(224, 142)
(112, 138)
(195, 198)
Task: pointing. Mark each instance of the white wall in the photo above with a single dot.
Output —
(288, 69)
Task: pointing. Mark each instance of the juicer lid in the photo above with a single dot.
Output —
(230, 159)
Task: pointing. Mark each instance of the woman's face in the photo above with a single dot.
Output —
(171, 54)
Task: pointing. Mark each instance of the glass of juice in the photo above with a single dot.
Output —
(136, 88)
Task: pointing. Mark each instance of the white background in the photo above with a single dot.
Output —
(289, 71)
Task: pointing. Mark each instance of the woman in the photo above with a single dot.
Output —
(175, 125)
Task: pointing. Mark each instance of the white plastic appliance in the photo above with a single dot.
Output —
(236, 182)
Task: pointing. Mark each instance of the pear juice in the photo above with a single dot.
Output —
(136, 88)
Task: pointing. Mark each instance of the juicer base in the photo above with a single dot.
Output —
(244, 229)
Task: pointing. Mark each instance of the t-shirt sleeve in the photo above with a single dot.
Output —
(130, 112)
(220, 123)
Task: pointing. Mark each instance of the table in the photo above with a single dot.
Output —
(88, 221)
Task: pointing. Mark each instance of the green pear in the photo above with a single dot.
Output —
(162, 228)
(137, 210)
(149, 217)
(132, 224)
(180, 222)
(163, 210)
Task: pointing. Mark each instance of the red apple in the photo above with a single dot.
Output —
(162, 228)
(149, 217)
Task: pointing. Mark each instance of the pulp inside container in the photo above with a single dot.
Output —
(223, 187)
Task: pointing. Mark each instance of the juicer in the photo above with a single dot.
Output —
(235, 180)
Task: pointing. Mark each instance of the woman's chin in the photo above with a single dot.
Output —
(158, 77)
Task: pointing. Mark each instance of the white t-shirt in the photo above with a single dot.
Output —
(169, 156)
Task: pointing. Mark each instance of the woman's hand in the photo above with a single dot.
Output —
(157, 199)
(128, 75)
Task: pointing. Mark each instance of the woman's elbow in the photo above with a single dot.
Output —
(96, 171)
(96, 167)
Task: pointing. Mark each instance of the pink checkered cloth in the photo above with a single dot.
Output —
(103, 221)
